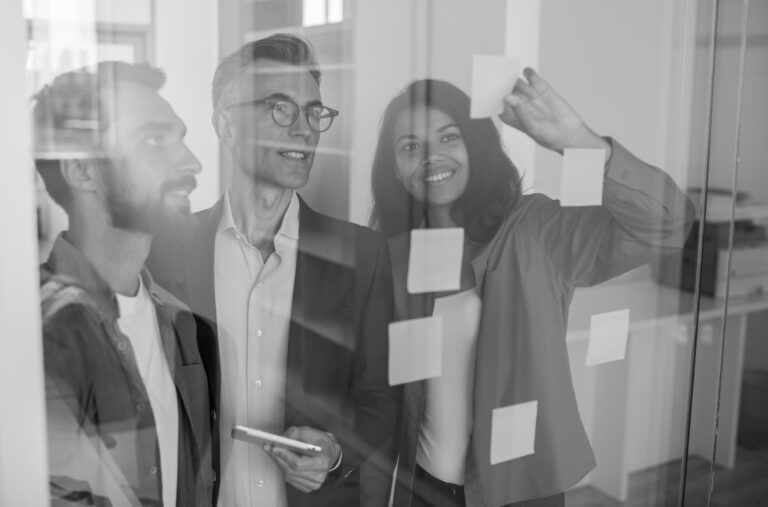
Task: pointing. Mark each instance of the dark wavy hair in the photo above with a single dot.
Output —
(494, 182)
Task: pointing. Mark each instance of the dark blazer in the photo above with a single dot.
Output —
(337, 345)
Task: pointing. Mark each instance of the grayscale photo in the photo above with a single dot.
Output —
(413, 253)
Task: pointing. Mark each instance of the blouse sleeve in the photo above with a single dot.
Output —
(644, 215)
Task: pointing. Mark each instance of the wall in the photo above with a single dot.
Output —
(186, 45)
(610, 61)
(23, 453)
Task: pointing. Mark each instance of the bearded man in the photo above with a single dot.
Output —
(127, 394)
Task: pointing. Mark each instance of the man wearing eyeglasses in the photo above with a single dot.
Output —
(301, 301)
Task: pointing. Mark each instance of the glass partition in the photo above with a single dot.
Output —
(561, 301)
(737, 356)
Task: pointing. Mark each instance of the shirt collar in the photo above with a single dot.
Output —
(289, 226)
(67, 260)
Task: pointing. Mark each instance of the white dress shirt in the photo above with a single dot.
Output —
(138, 321)
(253, 313)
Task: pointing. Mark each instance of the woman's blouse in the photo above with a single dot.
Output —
(447, 421)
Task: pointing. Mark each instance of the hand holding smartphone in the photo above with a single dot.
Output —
(254, 436)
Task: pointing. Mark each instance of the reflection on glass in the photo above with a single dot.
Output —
(540, 316)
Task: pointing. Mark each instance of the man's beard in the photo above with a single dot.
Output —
(151, 216)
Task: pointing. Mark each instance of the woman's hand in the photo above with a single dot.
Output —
(536, 109)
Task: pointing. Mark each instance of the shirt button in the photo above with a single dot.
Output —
(257, 384)
(153, 470)
(260, 484)
(140, 406)
(122, 346)
(213, 415)
(259, 332)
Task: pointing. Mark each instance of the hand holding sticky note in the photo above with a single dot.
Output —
(513, 431)
(582, 178)
(434, 262)
(415, 350)
(493, 78)
(608, 337)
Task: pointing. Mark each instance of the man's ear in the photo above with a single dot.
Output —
(79, 174)
(223, 127)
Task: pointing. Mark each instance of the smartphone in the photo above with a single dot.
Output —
(254, 436)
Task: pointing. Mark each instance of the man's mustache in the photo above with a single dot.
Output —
(183, 183)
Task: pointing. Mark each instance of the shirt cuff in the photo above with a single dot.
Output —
(338, 461)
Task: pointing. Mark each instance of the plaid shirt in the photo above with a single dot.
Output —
(103, 445)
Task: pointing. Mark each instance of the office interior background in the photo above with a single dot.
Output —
(683, 417)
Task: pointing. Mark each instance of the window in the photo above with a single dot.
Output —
(323, 12)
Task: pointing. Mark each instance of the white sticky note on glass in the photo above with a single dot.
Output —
(608, 334)
(415, 350)
(434, 262)
(493, 78)
(513, 431)
(582, 179)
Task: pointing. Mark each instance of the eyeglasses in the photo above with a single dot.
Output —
(285, 113)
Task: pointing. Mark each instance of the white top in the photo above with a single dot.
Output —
(447, 421)
(138, 321)
(253, 313)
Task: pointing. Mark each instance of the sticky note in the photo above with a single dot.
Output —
(415, 350)
(513, 431)
(582, 178)
(493, 78)
(434, 262)
(608, 337)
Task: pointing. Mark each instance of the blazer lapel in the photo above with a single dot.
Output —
(310, 268)
(310, 265)
(199, 262)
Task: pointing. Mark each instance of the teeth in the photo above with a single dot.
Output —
(294, 155)
(180, 193)
(434, 178)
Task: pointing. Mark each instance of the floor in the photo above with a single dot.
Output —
(746, 485)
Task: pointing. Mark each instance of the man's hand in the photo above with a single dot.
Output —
(535, 108)
(303, 472)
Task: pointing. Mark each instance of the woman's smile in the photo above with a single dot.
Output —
(435, 178)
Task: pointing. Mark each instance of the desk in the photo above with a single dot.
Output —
(634, 410)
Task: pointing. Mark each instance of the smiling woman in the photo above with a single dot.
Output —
(425, 127)
(431, 160)
(523, 256)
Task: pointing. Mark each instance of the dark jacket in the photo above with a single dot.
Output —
(101, 429)
(337, 345)
(526, 277)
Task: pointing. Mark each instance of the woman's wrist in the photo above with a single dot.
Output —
(586, 138)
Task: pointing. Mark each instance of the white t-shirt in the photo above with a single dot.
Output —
(447, 422)
(138, 321)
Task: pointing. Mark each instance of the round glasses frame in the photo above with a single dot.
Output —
(285, 113)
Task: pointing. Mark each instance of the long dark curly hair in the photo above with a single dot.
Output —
(494, 182)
